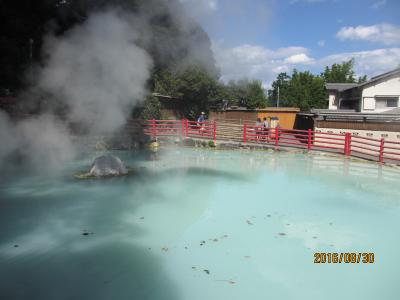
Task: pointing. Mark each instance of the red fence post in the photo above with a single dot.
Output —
(347, 144)
(153, 128)
(215, 131)
(382, 149)
(183, 127)
(187, 127)
(277, 136)
(309, 139)
(245, 133)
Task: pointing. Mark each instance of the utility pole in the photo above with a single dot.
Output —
(277, 102)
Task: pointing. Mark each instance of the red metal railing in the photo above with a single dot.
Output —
(185, 128)
(348, 144)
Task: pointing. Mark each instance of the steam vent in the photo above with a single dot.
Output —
(106, 166)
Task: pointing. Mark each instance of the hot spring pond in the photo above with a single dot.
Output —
(201, 225)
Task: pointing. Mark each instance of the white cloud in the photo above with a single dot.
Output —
(371, 63)
(378, 4)
(257, 62)
(301, 58)
(321, 43)
(386, 34)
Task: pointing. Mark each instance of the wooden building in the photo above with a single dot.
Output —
(286, 115)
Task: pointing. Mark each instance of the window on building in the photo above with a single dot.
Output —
(384, 102)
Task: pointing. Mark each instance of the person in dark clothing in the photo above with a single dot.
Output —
(265, 129)
(201, 118)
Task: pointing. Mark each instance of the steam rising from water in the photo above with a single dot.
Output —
(43, 141)
(97, 72)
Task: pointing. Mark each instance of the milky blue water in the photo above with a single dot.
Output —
(199, 224)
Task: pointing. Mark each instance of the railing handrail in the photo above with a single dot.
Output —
(346, 143)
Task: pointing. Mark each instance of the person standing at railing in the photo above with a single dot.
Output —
(265, 129)
(200, 121)
(259, 128)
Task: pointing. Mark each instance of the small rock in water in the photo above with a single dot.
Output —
(165, 249)
(282, 233)
(314, 237)
(249, 223)
(207, 272)
(16, 246)
(107, 165)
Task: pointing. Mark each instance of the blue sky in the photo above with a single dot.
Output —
(260, 38)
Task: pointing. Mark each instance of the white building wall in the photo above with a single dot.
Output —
(389, 87)
(332, 101)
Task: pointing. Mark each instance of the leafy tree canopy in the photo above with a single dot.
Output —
(307, 91)
(302, 89)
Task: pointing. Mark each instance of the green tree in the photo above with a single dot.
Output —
(199, 91)
(150, 109)
(362, 79)
(166, 83)
(281, 84)
(256, 97)
(302, 89)
(340, 73)
(246, 93)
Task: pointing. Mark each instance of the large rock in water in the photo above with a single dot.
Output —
(108, 165)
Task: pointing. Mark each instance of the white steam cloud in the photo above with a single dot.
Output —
(97, 72)
(43, 141)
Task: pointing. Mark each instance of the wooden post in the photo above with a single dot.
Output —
(276, 136)
(382, 149)
(309, 139)
(245, 133)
